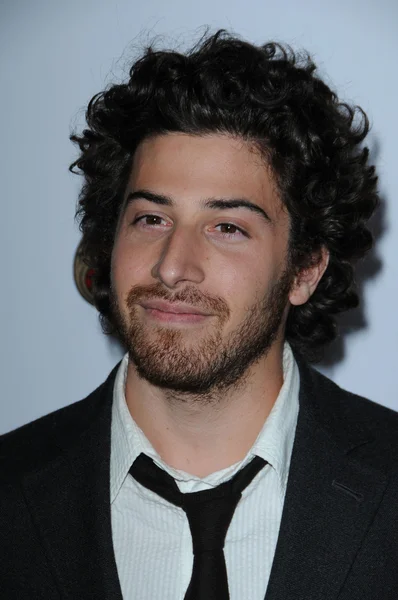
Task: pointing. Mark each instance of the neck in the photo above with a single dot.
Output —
(201, 435)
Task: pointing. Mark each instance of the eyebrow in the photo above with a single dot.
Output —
(214, 203)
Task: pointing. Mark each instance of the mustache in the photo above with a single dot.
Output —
(188, 295)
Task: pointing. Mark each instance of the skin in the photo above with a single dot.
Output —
(236, 254)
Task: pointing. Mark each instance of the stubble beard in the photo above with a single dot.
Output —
(210, 366)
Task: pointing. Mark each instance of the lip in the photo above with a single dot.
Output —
(173, 308)
(173, 313)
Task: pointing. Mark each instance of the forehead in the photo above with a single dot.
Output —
(193, 167)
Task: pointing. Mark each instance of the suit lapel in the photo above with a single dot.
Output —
(330, 502)
(70, 504)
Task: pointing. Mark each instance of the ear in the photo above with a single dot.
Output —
(306, 281)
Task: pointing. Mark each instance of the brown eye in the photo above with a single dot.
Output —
(149, 221)
(152, 220)
(228, 228)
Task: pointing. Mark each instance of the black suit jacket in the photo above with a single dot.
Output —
(339, 531)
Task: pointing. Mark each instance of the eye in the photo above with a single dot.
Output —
(230, 230)
(150, 221)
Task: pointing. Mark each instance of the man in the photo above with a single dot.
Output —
(226, 198)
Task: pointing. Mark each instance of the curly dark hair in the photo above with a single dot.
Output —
(269, 96)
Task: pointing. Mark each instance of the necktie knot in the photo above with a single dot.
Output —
(209, 518)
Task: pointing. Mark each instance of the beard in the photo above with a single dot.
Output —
(167, 359)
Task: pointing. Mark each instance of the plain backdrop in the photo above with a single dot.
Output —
(54, 56)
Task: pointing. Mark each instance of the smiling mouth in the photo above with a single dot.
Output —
(169, 312)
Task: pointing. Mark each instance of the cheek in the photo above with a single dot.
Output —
(239, 282)
(247, 282)
(128, 268)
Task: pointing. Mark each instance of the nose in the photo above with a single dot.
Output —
(180, 260)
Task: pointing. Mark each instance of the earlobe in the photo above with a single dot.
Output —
(306, 281)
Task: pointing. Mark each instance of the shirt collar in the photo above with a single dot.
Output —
(274, 442)
(125, 434)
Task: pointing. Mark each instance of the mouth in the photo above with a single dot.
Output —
(173, 312)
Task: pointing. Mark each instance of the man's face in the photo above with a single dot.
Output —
(199, 266)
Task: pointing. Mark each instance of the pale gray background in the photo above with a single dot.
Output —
(54, 56)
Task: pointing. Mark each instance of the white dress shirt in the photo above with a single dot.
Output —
(151, 537)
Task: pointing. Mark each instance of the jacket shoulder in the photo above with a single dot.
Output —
(362, 409)
(32, 445)
(348, 416)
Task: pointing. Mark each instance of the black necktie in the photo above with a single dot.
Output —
(209, 514)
